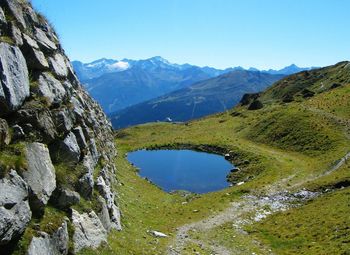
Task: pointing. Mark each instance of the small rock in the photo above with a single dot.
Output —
(18, 132)
(158, 234)
(5, 137)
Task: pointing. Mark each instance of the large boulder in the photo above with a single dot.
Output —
(15, 213)
(14, 79)
(89, 231)
(40, 175)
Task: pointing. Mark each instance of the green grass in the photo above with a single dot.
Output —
(12, 157)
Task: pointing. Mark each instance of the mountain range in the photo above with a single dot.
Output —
(118, 84)
(214, 95)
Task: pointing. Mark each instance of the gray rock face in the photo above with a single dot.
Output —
(86, 182)
(108, 195)
(51, 89)
(43, 102)
(16, 11)
(50, 245)
(5, 137)
(15, 213)
(16, 35)
(67, 151)
(40, 175)
(103, 214)
(14, 80)
(59, 65)
(89, 231)
(3, 21)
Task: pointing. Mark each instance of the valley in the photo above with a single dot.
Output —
(286, 181)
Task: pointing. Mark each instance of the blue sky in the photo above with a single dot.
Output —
(218, 33)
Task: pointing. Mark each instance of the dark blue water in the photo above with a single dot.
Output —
(193, 171)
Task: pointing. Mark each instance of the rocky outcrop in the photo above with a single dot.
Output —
(15, 213)
(54, 137)
(109, 196)
(255, 105)
(89, 231)
(249, 98)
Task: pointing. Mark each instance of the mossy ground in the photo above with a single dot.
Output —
(289, 146)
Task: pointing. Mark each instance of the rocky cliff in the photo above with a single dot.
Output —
(57, 174)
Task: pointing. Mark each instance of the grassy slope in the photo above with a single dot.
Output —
(287, 144)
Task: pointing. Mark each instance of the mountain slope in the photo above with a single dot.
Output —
(203, 98)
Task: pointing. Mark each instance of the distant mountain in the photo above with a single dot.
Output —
(292, 69)
(118, 90)
(98, 68)
(203, 98)
(117, 84)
